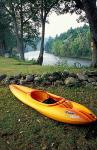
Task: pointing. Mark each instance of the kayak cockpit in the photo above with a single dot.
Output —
(44, 97)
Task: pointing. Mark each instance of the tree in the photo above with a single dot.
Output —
(91, 14)
(73, 43)
(6, 34)
(48, 45)
(43, 7)
(23, 19)
(90, 9)
(3, 28)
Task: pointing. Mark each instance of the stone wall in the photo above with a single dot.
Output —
(88, 78)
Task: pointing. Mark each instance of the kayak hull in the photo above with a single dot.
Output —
(62, 110)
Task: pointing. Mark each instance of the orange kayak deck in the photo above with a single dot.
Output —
(53, 106)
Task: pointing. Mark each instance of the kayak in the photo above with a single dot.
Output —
(53, 106)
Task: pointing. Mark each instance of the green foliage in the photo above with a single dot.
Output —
(48, 46)
(7, 38)
(22, 17)
(58, 47)
(73, 43)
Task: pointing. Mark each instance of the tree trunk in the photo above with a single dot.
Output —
(18, 37)
(21, 33)
(40, 58)
(4, 46)
(94, 54)
(22, 47)
(19, 41)
(1, 48)
(43, 19)
(91, 13)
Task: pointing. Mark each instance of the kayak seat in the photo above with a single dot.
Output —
(43, 97)
(49, 101)
(39, 95)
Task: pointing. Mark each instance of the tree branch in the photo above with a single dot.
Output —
(79, 4)
(51, 6)
(6, 9)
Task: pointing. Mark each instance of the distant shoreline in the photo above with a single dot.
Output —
(51, 59)
(84, 58)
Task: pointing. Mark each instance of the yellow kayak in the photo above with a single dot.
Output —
(53, 106)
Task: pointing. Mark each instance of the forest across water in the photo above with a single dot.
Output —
(73, 43)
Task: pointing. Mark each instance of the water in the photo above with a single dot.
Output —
(50, 59)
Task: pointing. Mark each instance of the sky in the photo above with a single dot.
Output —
(60, 23)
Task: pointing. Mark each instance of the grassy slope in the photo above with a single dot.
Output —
(12, 66)
(22, 128)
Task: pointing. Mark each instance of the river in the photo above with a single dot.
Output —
(50, 59)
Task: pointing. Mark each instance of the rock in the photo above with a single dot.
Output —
(22, 82)
(46, 83)
(65, 74)
(52, 78)
(11, 77)
(46, 75)
(72, 75)
(30, 78)
(23, 77)
(13, 81)
(94, 83)
(18, 76)
(57, 75)
(91, 80)
(7, 80)
(95, 78)
(82, 77)
(58, 83)
(38, 79)
(91, 73)
(84, 83)
(70, 81)
(2, 77)
(89, 85)
(88, 78)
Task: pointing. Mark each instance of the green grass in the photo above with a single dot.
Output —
(12, 66)
(22, 128)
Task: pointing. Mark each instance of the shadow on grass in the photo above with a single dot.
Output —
(91, 129)
(23, 64)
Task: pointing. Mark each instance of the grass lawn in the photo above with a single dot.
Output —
(12, 66)
(22, 128)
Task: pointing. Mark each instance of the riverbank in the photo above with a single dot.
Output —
(12, 66)
(51, 59)
(22, 128)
